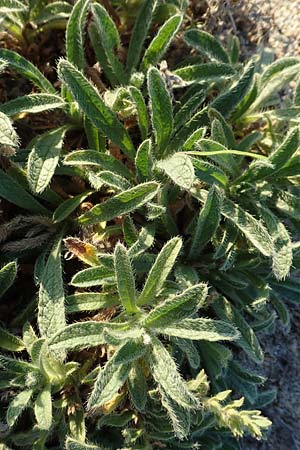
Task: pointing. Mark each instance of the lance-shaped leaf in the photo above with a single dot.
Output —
(93, 276)
(144, 240)
(141, 110)
(32, 103)
(252, 228)
(110, 379)
(8, 274)
(12, 6)
(68, 206)
(229, 100)
(93, 106)
(129, 352)
(54, 12)
(143, 161)
(137, 386)
(208, 222)
(94, 158)
(247, 340)
(111, 179)
(9, 140)
(158, 46)
(83, 335)
(161, 109)
(139, 34)
(17, 406)
(179, 168)
(13, 192)
(10, 342)
(109, 38)
(72, 444)
(160, 270)
(43, 158)
(180, 417)
(206, 44)
(201, 329)
(164, 371)
(191, 352)
(125, 279)
(15, 366)
(43, 409)
(177, 308)
(90, 301)
(51, 308)
(205, 72)
(28, 70)
(120, 204)
(75, 34)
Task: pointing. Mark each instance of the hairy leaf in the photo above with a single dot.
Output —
(75, 34)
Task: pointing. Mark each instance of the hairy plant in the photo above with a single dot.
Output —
(175, 184)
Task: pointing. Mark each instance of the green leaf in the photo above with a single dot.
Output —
(12, 6)
(10, 342)
(112, 180)
(205, 72)
(109, 38)
(137, 386)
(93, 276)
(68, 206)
(13, 192)
(164, 371)
(110, 379)
(161, 109)
(209, 173)
(186, 111)
(139, 34)
(158, 46)
(43, 409)
(8, 274)
(190, 351)
(43, 158)
(51, 308)
(129, 352)
(28, 70)
(201, 329)
(90, 301)
(17, 406)
(144, 241)
(72, 444)
(247, 340)
(160, 271)
(225, 103)
(56, 11)
(75, 34)
(177, 308)
(93, 106)
(143, 161)
(125, 279)
(94, 158)
(179, 416)
(141, 110)
(9, 140)
(83, 335)
(207, 44)
(120, 204)
(208, 222)
(179, 168)
(32, 103)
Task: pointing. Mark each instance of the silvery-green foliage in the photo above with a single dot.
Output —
(184, 224)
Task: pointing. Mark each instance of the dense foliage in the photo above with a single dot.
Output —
(168, 179)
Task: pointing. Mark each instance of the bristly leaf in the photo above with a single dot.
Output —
(75, 34)
(28, 70)
(72, 444)
(10, 342)
(17, 406)
(208, 222)
(137, 385)
(32, 103)
(141, 110)
(9, 140)
(12, 6)
(8, 274)
(93, 106)
(207, 44)
(139, 34)
(179, 416)
(177, 308)
(161, 110)
(93, 276)
(51, 308)
(68, 206)
(160, 270)
(143, 161)
(120, 204)
(179, 168)
(161, 42)
(205, 72)
(43, 409)
(125, 279)
(90, 301)
(164, 371)
(43, 158)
